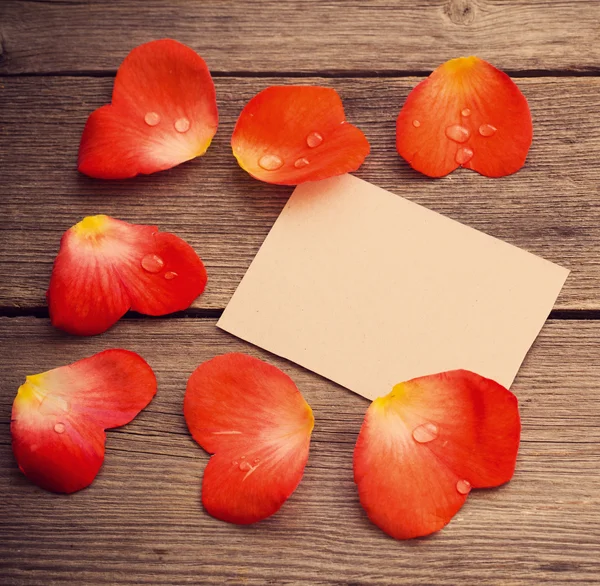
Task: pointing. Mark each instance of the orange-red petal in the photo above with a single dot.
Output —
(466, 113)
(163, 112)
(292, 134)
(255, 422)
(422, 447)
(59, 416)
(106, 266)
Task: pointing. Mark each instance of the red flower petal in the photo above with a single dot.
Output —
(422, 447)
(59, 416)
(466, 113)
(163, 112)
(292, 134)
(252, 417)
(105, 267)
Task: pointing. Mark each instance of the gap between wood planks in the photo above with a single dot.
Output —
(327, 74)
(198, 313)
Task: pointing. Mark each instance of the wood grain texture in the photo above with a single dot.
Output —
(551, 207)
(309, 36)
(141, 522)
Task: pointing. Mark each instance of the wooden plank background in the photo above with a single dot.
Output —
(378, 36)
(551, 207)
(141, 522)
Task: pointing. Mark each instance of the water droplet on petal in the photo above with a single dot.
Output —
(464, 155)
(151, 118)
(463, 486)
(425, 433)
(245, 466)
(487, 130)
(314, 139)
(416, 123)
(152, 263)
(270, 162)
(243, 457)
(466, 112)
(235, 462)
(170, 275)
(257, 460)
(59, 428)
(301, 163)
(182, 125)
(458, 133)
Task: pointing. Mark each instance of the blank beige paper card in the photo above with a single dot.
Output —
(369, 289)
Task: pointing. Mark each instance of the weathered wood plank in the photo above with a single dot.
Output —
(551, 207)
(141, 521)
(309, 36)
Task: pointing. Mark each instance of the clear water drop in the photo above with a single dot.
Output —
(235, 462)
(245, 466)
(464, 155)
(59, 428)
(458, 133)
(151, 118)
(256, 460)
(487, 130)
(466, 112)
(425, 433)
(182, 125)
(243, 457)
(170, 275)
(270, 162)
(416, 123)
(302, 162)
(152, 263)
(314, 139)
(463, 486)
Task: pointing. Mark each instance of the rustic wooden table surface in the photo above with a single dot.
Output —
(141, 522)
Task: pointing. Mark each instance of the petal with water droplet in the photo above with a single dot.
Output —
(163, 112)
(413, 486)
(297, 123)
(272, 424)
(106, 266)
(439, 103)
(59, 416)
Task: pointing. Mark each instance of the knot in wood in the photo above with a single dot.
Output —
(460, 11)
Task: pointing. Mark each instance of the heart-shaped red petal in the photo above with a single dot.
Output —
(467, 114)
(254, 420)
(59, 416)
(422, 447)
(163, 112)
(292, 134)
(106, 266)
